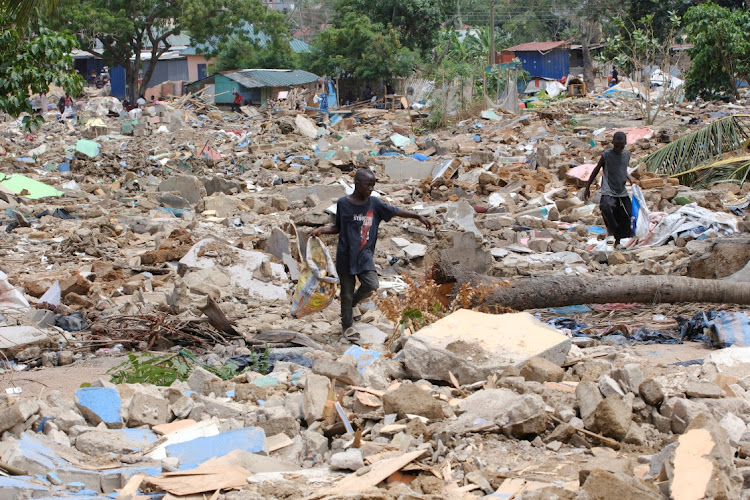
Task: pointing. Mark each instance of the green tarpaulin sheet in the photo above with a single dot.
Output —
(34, 189)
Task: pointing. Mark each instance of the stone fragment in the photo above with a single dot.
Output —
(609, 387)
(612, 418)
(114, 441)
(608, 464)
(602, 485)
(189, 187)
(526, 417)
(350, 459)
(588, 397)
(682, 412)
(542, 370)
(199, 378)
(410, 399)
(316, 395)
(734, 427)
(17, 413)
(147, 408)
(703, 390)
(345, 372)
(651, 392)
(629, 377)
(636, 435)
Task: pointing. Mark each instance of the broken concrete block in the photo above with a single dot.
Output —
(117, 441)
(316, 395)
(601, 484)
(542, 370)
(350, 459)
(703, 390)
(100, 404)
(414, 251)
(609, 464)
(526, 417)
(588, 397)
(210, 253)
(480, 409)
(651, 392)
(189, 187)
(473, 345)
(199, 379)
(682, 412)
(196, 451)
(612, 417)
(734, 427)
(147, 409)
(17, 413)
(609, 387)
(345, 372)
(306, 127)
(629, 377)
(410, 399)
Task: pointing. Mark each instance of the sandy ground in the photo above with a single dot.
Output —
(66, 379)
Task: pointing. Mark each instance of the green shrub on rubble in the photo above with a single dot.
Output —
(163, 370)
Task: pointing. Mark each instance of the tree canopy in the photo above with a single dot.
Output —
(356, 46)
(721, 52)
(31, 59)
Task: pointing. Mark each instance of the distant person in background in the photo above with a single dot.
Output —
(92, 78)
(615, 77)
(237, 102)
(141, 101)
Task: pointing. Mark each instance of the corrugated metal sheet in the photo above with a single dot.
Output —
(175, 70)
(554, 64)
(537, 46)
(255, 78)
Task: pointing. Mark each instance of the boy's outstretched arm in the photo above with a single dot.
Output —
(412, 215)
(586, 192)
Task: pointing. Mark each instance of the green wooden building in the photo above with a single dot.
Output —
(255, 85)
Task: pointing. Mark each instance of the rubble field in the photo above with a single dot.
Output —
(147, 267)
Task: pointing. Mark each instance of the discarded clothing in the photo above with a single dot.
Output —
(244, 361)
(72, 323)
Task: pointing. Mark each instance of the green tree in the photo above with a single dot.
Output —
(721, 52)
(228, 35)
(119, 31)
(416, 21)
(32, 58)
(358, 47)
(21, 11)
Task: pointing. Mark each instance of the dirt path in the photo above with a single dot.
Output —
(66, 379)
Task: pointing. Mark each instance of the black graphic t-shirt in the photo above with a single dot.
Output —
(358, 233)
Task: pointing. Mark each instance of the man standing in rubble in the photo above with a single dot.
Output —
(615, 202)
(357, 218)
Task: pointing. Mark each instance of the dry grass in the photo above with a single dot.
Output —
(425, 301)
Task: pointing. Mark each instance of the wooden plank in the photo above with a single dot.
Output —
(378, 473)
(199, 481)
(131, 487)
(278, 442)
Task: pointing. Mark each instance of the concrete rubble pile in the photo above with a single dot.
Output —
(177, 230)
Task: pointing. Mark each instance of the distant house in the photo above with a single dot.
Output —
(541, 59)
(255, 85)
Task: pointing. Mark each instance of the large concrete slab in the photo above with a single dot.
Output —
(401, 169)
(473, 345)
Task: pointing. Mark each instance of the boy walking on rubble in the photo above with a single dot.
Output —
(357, 218)
(615, 202)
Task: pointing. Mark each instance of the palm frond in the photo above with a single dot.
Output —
(734, 169)
(704, 145)
(19, 12)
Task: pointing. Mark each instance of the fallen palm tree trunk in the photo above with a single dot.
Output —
(557, 291)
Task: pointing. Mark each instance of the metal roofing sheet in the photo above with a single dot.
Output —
(537, 46)
(254, 78)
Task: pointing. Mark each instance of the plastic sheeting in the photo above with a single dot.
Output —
(696, 221)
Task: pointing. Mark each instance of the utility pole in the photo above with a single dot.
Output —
(492, 32)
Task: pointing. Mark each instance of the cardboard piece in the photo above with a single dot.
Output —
(692, 470)
(202, 479)
(378, 473)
